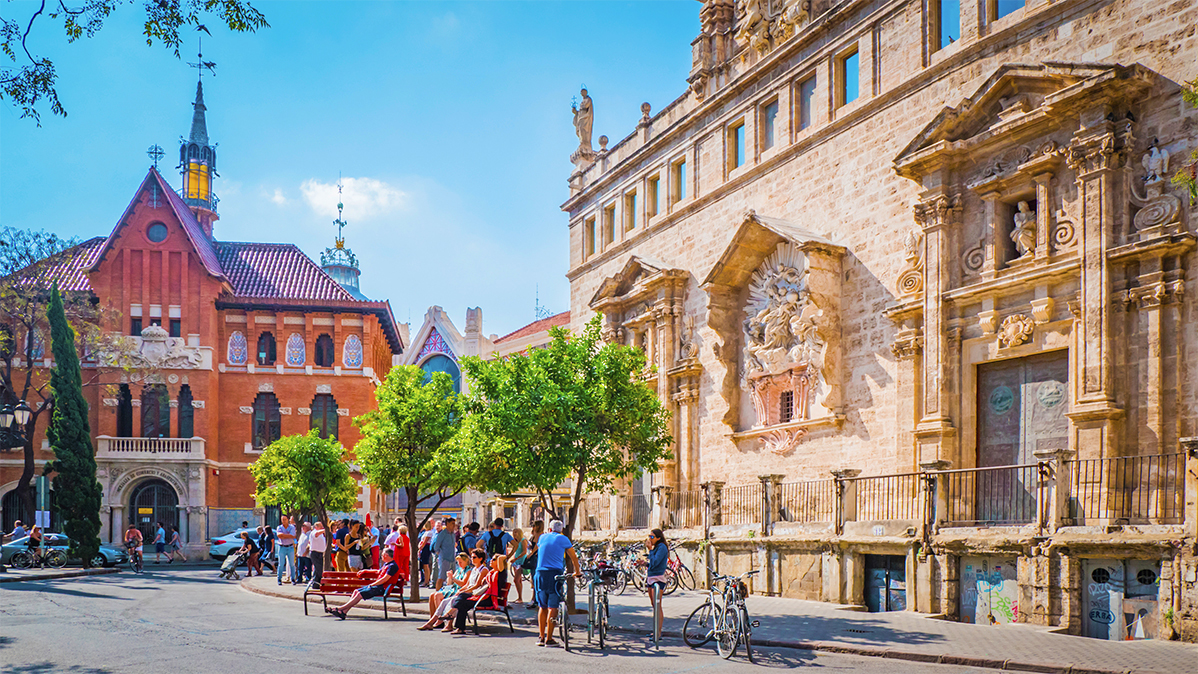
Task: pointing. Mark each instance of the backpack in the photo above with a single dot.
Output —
(494, 543)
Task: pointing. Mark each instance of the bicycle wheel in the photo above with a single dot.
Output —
(21, 560)
(563, 616)
(637, 577)
(727, 634)
(621, 582)
(686, 579)
(55, 559)
(698, 628)
(602, 615)
(746, 628)
(671, 582)
(590, 614)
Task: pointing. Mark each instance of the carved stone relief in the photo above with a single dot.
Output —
(910, 281)
(1157, 207)
(1015, 330)
(266, 387)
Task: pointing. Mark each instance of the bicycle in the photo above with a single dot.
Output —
(685, 579)
(598, 610)
(722, 616)
(39, 558)
(136, 563)
(563, 610)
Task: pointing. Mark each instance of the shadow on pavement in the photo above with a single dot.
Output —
(47, 667)
(57, 589)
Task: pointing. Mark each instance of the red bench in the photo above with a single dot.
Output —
(500, 606)
(343, 584)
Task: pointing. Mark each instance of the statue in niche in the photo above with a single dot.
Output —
(1024, 234)
(1156, 164)
(584, 119)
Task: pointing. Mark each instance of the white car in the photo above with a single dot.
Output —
(223, 545)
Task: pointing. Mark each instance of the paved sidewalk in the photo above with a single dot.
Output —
(12, 575)
(902, 635)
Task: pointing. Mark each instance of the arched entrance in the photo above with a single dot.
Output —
(14, 510)
(151, 502)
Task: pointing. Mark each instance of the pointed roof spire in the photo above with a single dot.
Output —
(199, 123)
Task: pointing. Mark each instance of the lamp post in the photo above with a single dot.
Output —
(12, 425)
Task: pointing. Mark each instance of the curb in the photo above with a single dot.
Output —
(820, 646)
(5, 578)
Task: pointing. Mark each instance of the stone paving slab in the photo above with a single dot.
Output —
(12, 575)
(905, 635)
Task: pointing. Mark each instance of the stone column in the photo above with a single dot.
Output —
(106, 528)
(1190, 447)
(846, 496)
(935, 432)
(660, 517)
(1054, 488)
(935, 502)
(1095, 415)
(1043, 215)
(616, 513)
(771, 501)
(118, 522)
(714, 496)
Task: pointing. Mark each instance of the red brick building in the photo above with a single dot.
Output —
(242, 343)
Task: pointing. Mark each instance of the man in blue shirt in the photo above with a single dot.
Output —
(552, 549)
(470, 538)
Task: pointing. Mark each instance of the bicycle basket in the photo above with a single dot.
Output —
(609, 575)
(742, 590)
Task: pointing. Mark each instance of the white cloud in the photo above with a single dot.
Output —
(278, 197)
(364, 198)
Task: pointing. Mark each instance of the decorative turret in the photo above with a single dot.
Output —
(197, 161)
(339, 262)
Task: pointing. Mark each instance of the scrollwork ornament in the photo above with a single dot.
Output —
(782, 442)
(974, 258)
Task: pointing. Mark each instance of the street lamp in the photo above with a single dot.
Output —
(13, 436)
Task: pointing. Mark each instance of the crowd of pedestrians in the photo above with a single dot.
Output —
(463, 567)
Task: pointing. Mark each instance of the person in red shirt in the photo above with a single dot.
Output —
(400, 548)
(388, 573)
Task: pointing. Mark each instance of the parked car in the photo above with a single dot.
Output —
(108, 555)
(223, 545)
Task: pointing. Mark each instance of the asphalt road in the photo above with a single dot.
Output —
(186, 620)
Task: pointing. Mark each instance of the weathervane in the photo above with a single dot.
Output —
(200, 64)
(340, 240)
(155, 153)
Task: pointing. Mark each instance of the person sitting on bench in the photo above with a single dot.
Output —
(387, 574)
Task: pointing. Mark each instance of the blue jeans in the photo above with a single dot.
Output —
(286, 556)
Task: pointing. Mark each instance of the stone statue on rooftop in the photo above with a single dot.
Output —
(584, 119)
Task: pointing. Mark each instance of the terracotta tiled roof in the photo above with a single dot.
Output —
(195, 233)
(277, 271)
(537, 326)
(70, 268)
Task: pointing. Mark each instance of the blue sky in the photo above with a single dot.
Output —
(452, 120)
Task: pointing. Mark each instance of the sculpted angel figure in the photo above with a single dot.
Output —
(1024, 234)
(1156, 164)
(584, 118)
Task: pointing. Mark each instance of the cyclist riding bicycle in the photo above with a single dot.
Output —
(133, 542)
(35, 544)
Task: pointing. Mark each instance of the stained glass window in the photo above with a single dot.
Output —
(351, 354)
(296, 350)
(238, 350)
(434, 343)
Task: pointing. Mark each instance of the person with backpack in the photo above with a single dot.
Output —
(469, 538)
(496, 540)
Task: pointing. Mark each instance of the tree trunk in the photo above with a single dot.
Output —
(413, 546)
(24, 487)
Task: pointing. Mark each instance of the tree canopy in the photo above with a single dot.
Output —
(305, 473)
(30, 80)
(405, 444)
(577, 410)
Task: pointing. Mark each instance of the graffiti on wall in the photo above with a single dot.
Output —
(989, 590)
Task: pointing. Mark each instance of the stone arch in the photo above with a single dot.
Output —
(122, 488)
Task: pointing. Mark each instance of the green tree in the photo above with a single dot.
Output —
(76, 490)
(1187, 176)
(30, 80)
(405, 445)
(306, 474)
(576, 410)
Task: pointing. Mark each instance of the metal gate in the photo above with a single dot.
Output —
(1021, 409)
(152, 502)
(885, 583)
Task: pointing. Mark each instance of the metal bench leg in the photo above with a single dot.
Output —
(305, 603)
(384, 607)
(474, 614)
(403, 605)
(509, 619)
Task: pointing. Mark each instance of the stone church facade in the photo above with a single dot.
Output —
(919, 294)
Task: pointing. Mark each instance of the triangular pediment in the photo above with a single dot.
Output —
(437, 335)
(156, 194)
(637, 272)
(1016, 95)
(755, 240)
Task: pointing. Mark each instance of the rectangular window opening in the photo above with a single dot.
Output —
(609, 225)
(654, 196)
(588, 235)
(630, 211)
(135, 327)
(850, 77)
(946, 21)
(786, 406)
(806, 102)
(1002, 8)
(769, 115)
(679, 181)
(736, 138)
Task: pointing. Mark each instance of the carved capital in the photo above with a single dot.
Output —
(908, 343)
(938, 211)
(1042, 309)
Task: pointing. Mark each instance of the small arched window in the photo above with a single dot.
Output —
(324, 351)
(266, 349)
(267, 422)
(324, 415)
(443, 363)
(186, 413)
(155, 412)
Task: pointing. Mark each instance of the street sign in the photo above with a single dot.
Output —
(42, 488)
(145, 511)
